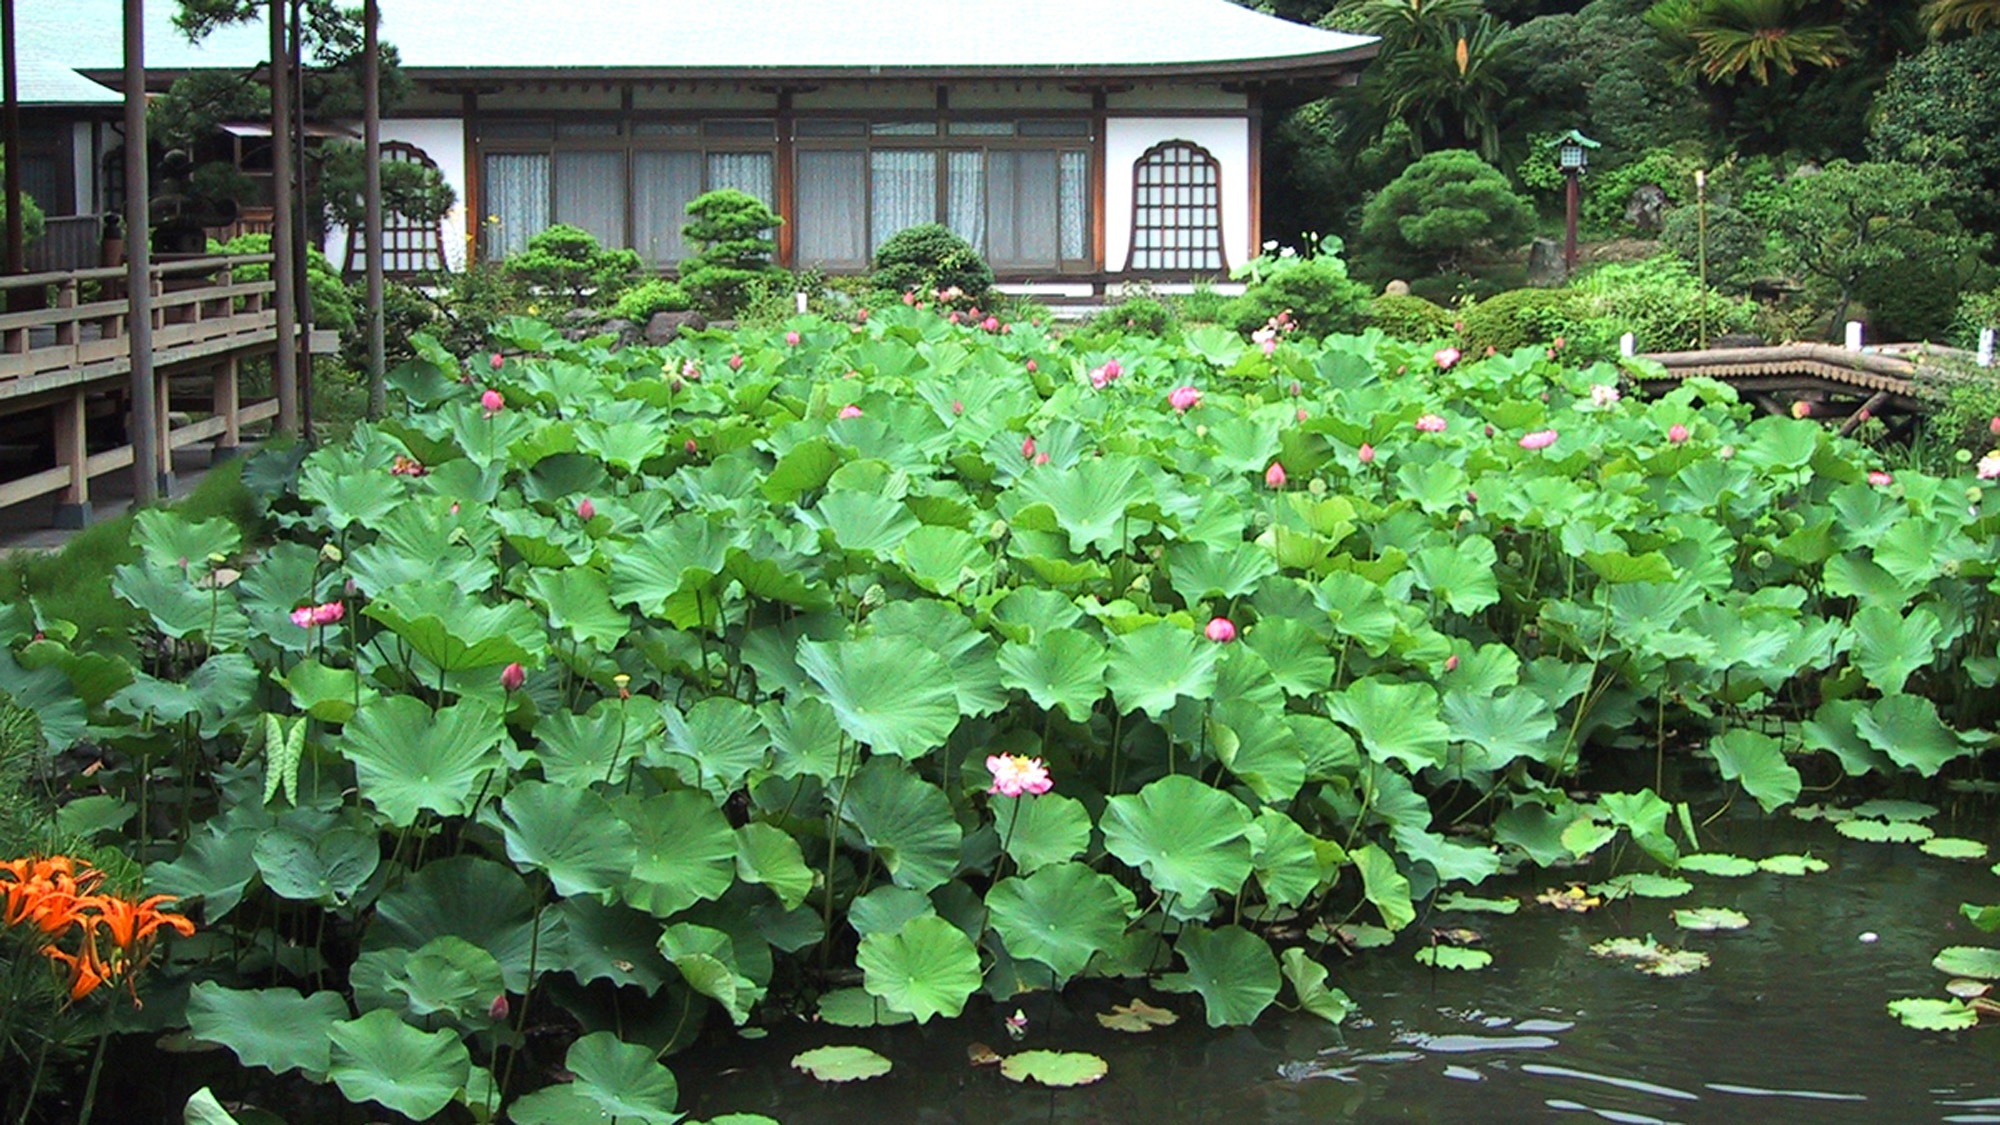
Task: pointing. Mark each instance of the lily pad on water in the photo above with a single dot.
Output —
(1887, 808)
(1884, 831)
(1704, 919)
(1953, 847)
(1054, 1068)
(1453, 957)
(1717, 863)
(1791, 865)
(1968, 961)
(1137, 1017)
(1924, 1014)
(1967, 989)
(1649, 956)
(853, 1007)
(1354, 935)
(1573, 899)
(1478, 905)
(1642, 885)
(841, 1064)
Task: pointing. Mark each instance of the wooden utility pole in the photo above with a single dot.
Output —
(17, 254)
(145, 435)
(371, 233)
(285, 359)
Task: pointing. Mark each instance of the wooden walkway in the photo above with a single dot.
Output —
(65, 371)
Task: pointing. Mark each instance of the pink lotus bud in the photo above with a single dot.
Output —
(1540, 439)
(1032, 368)
(497, 1010)
(513, 676)
(792, 338)
(1431, 424)
(1302, 414)
(1041, 458)
(498, 361)
(586, 511)
(1028, 448)
(1184, 399)
(957, 406)
(910, 297)
(691, 447)
(991, 324)
(1296, 389)
(1221, 630)
(1274, 477)
(1880, 479)
(1994, 425)
(1677, 433)
(1366, 454)
(1802, 409)
(953, 317)
(736, 363)
(493, 402)
(862, 316)
(850, 411)
(674, 385)
(1489, 429)
(1451, 663)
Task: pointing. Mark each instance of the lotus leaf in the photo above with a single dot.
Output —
(1885, 831)
(1054, 1068)
(274, 1028)
(1186, 838)
(1715, 863)
(1231, 969)
(379, 1058)
(1792, 865)
(1703, 919)
(1453, 957)
(1139, 1017)
(1969, 961)
(928, 968)
(1922, 1014)
(1059, 916)
(1950, 847)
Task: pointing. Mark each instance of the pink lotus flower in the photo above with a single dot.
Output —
(850, 411)
(1451, 663)
(1677, 433)
(1031, 367)
(910, 297)
(1540, 439)
(1221, 630)
(792, 339)
(586, 511)
(690, 446)
(1366, 454)
(957, 406)
(1269, 346)
(1041, 458)
(1184, 399)
(326, 613)
(1802, 409)
(691, 371)
(498, 361)
(492, 402)
(1302, 414)
(1274, 477)
(497, 1010)
(1603, 395)
(1112, 370)
(512, 677)
(1431, 424)
(1989, 466)
(1880, 479)
(736, 363)
(1445, 357)
(1099, 378)
(1016, 774)
(1028, 448)
(862, 316)
(303, 617)
(991, 324)
(1994, 425)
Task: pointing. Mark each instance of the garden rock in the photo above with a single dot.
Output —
(1646, 207)
(1396, 288)
(666, 326)
(1546, 269)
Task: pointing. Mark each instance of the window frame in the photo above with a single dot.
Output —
(1154, 157)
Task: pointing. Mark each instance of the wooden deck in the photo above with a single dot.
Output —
(65, 371)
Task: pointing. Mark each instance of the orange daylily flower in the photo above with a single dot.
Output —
(57, 896)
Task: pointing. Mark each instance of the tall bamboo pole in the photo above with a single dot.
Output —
(145, 433)
(285, 359)
(371, 141)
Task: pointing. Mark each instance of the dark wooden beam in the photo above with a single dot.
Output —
(284, 298)
(1866, 412)
(139, 264)
(10, 125)
(371, 223)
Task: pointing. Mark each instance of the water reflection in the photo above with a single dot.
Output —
(1787, 1025)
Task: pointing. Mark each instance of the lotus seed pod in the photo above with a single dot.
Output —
(997, 529)
(330, 554)
(1260, 520)
(1761, 559)
(1317, 487)
(875, 595)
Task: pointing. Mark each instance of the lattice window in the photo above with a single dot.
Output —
(1177, 209)
(408, 247)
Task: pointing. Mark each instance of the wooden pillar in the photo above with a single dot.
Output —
(371, 224)
(72, 453)
(229, 407)
(475, 175)
(139, 262)
(284, 360)
(1100, 124)
(301, 286)
(787, 185)
(1256, 124)
(10, 125)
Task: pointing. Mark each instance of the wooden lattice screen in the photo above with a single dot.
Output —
(408, 247)
(1177, 209)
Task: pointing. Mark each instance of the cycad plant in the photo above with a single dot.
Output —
(1720, 41)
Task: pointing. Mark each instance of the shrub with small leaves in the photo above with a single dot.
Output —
(928, 259)
(731, 231)
(569, 261)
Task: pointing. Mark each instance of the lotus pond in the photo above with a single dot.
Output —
(1331, 701)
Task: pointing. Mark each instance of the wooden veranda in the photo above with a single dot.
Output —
(65, 371)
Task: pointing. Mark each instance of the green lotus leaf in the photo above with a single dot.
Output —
(1832, 728)
(570, 835)
(1291, 865)
(806, 739)
(169, 540)
(1469, 903)
(1757, 762)
(1298, 658)
(1885, 831)
(578, 602)
(274, 1028)
(1231, 969)
(1888, 646)
(329, 868)
(707, 960)
(595, 748)
(1201, 571)
(1186, 838)
(892, 693)
(768, 855)
(1986, 918)
(1308, 980)
(884, 910)
(1908, 730)
(624, 1080)
(215, 865)
(682, 555)
(1642, 885)
(1792, 865)
(1039, 831)
(928, 968)
(623, 445)
(612, 943)
(853, 1007)
(1060, 1069)
(1453, 862)
(1460, 575)
(906, 820)
(1358, 609)
(379, 1058)
(1951, 847)
(715, 745)
(181, 610)
(1890, 808)
(864, 523)
(1453, 957)
(1385, 886)
(1154, 666)
(1059, 916)
(945, 629)
(452, 630)
(1063, 669)
(1716, 863)
(347, 490)
(1705, 919)
(803, 468)
(1504, 726)
(327, 694)
(1395, 722)
(1618, 566)
(1088, 499)
(1651, 957)
(1924, 1014)
(409, 760)
(1973, 961)
(841, 1064)
(449, 976)
(773, 580)
(484, 902)
(943, 559)
(685, 852)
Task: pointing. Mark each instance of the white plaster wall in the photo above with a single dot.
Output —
(1128, 138)
(83, 162)
(443, 140)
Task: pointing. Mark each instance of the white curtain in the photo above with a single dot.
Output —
(590, 193)
(965, 197)
(747, 172)
(904, 191)
(516, 200)
(1022, 211)
(832, 212)
(663, 183)
(1075, 205)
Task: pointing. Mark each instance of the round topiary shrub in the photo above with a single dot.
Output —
(1518, 318)
(929, 258)
(654, 295)
(1410, 318)
(1137, 314)
(731, 233)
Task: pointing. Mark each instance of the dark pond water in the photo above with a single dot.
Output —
(1787, 1024)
